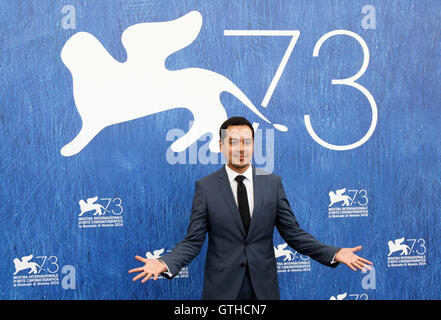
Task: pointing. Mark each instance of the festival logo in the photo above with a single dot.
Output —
(100, 213)
(108, 92)
(350, 296)
(42, 271)
(352, 203)
(406, 252)
(289, 260)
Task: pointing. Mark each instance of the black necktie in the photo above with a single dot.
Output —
(242, 201)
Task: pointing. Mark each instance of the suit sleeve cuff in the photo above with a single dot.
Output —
(168, 270)
(333, 258)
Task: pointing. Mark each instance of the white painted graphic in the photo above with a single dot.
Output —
(156, 254)
(406, 252)
(351, 81)
(24, 264)
(292, 260)
(108, 92)
(338, 196)
(43, 273)
(350, 296)
(281, 251)
(339, 296)
(90, 205)
(107, 214)
(351, 205)
(294, 34)
(397, 245)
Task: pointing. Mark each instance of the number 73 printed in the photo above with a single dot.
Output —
(351, 81)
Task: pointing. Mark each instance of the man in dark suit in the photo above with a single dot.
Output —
(239, 206)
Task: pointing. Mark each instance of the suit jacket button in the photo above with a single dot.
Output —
(242, 264)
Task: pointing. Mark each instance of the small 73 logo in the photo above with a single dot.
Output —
(91, 205)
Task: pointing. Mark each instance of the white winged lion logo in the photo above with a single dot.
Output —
(25, 263)
(156, 254)
(90, 205)
(108, 92)
(339, 296)
(397, 245)
(281, 250)
(338, 196)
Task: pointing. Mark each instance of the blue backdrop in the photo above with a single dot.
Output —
(72, 224)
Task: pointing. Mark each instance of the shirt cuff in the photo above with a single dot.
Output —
(168, 270)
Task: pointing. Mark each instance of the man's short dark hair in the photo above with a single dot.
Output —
(234, 121)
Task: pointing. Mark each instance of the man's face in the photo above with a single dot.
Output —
(238, 145)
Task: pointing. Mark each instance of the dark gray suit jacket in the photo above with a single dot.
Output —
(214, 211)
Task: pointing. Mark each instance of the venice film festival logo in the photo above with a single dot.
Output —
(406, 252)
(43, 271)
(290, 260)
(100, 213)
(350, 296)
(351, 205)
(108, 92)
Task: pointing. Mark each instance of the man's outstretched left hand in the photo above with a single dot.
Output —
(349, 258)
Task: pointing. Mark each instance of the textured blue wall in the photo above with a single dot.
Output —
(397, 171)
